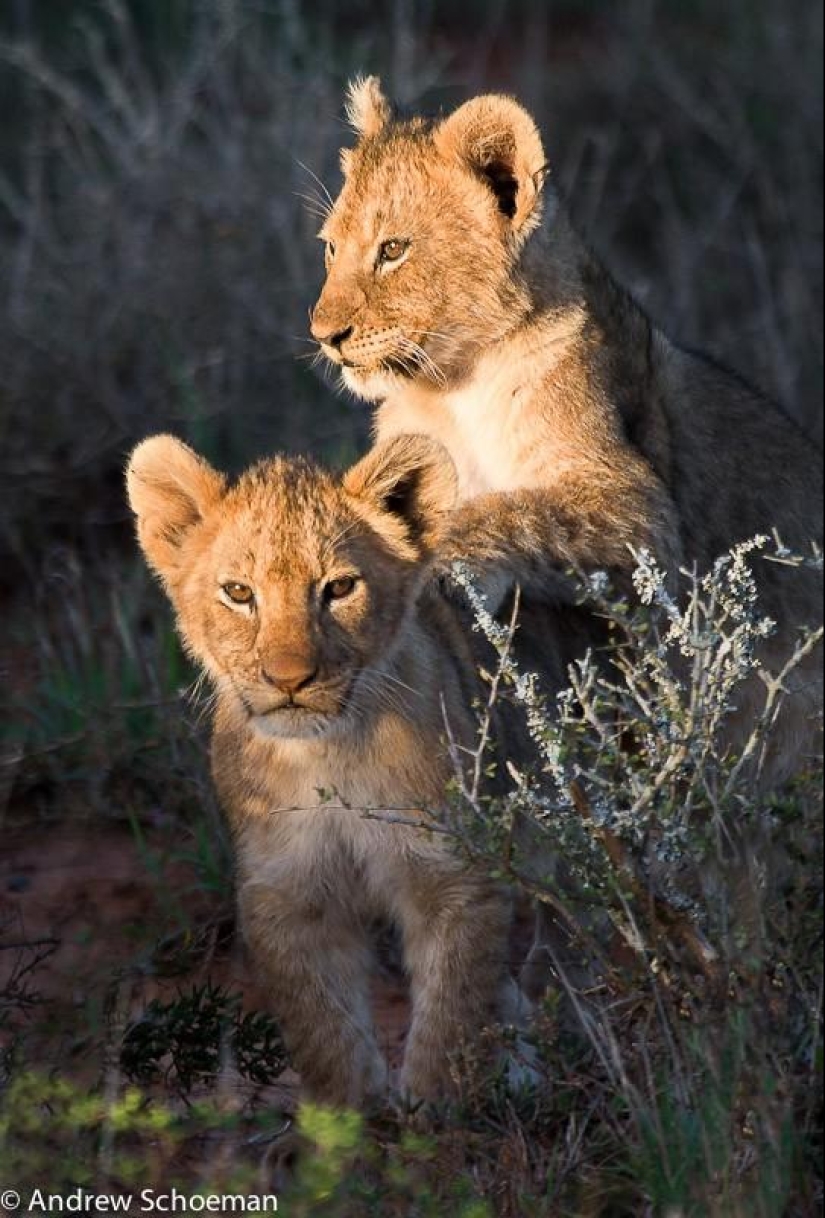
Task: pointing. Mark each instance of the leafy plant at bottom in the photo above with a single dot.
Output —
(185, 1041)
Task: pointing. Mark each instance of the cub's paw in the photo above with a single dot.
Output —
(424, 1078)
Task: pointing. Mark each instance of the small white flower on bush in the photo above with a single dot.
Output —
(633, 773)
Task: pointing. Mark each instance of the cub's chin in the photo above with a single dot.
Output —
(371, 385)
(295, 723)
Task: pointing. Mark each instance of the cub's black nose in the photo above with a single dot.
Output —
(329, 335)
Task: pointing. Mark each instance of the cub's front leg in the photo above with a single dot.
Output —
(455, 928)
(311, 955)
(534, 537)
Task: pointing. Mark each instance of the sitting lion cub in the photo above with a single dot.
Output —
(459, 298)
(301, 595)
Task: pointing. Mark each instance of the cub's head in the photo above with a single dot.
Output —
(291, 587)
(423, 241)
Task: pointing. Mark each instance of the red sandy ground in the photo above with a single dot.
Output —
(100, 903)
(89, 895)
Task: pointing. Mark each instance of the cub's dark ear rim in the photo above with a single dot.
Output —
(410, 478)
(498, 141)
(502, 181)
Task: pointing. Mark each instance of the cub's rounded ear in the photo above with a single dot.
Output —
(170, 488)
(412, 480)
(497, 139)
(368, 110)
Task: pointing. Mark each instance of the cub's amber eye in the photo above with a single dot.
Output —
(392, 250)
(238, 594)
(337, 589)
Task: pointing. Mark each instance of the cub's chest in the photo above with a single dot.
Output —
(484, 426)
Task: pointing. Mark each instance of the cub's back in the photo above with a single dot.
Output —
(742, 467)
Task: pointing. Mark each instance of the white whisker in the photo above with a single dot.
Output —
(315, 206)
(338, 538)
(388, 676)
(329, 199)
(424, 362)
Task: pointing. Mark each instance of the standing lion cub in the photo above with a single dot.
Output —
(303, 598)
(459, 298)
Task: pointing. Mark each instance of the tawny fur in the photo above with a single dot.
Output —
(327, 708)
(578, 429)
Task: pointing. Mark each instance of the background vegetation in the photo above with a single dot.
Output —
(157, 259)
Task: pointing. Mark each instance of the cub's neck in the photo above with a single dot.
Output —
(579, 339)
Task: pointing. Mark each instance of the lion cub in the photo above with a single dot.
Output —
(303, 598)
(460, 300)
